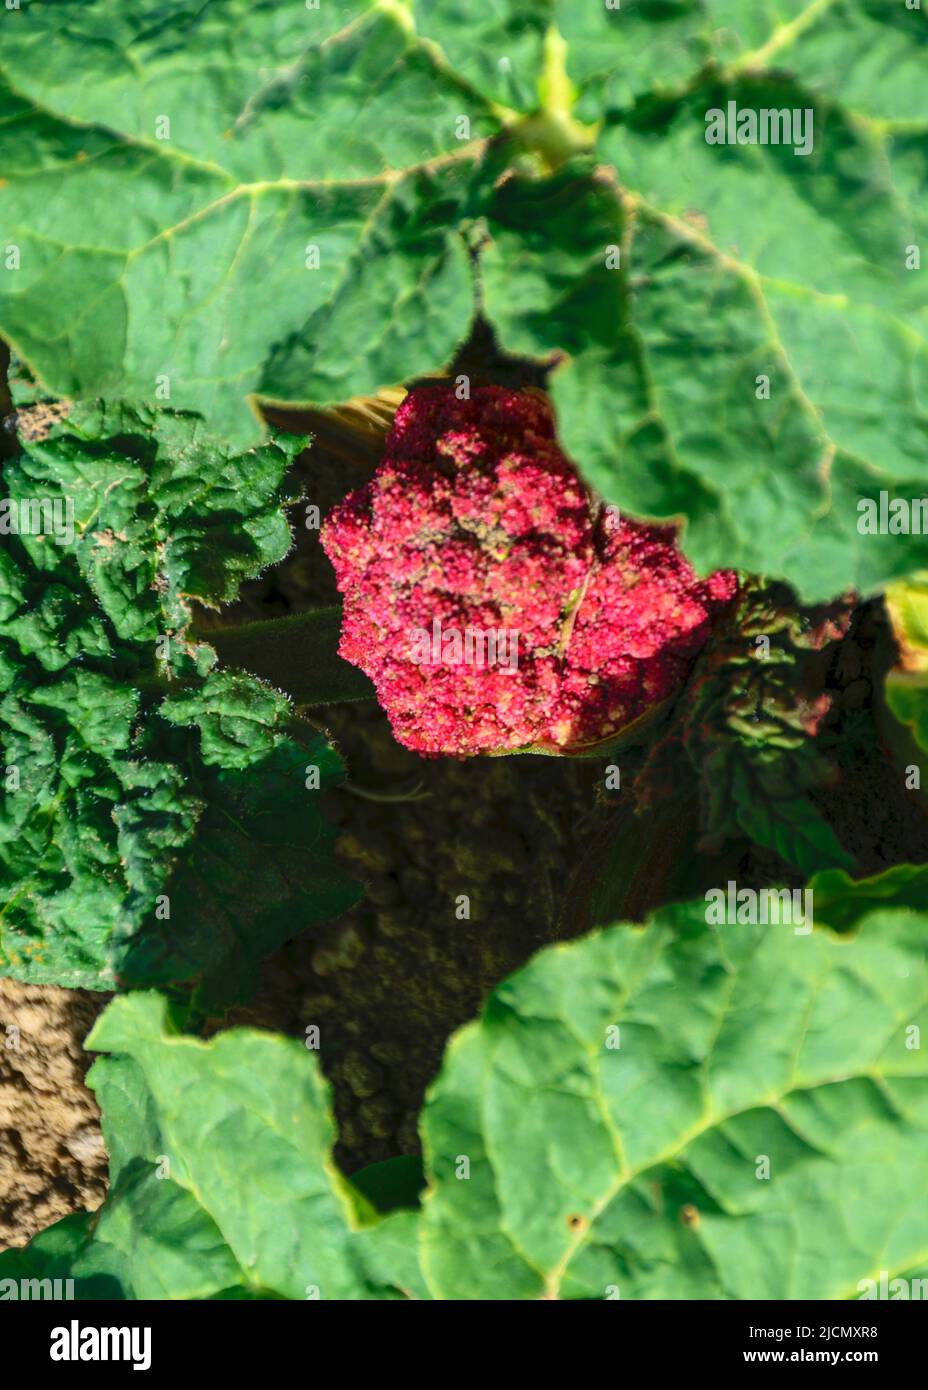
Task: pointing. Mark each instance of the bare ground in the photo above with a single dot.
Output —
(52, 1159)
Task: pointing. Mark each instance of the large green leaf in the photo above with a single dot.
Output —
(160, 820)
(632, 1166)
(684, 1111)
(295, 231)
(222, 1177)
(739, 262)
(841, 901)
(304, 229)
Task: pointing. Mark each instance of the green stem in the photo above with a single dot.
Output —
(632, 865)
(9, 445)
(298, 654)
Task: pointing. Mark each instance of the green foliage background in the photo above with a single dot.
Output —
(608, 1089)
(206, 207)
(339, 129)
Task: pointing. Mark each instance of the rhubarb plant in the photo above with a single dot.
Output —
(310, 203)
(681, 1112)
(613, 313)
(161, 819)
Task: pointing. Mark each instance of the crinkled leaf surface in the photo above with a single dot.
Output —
(629, 1162)
(748, 726)
(598, 1132)
(736, 262)
(157, 819)
(295, 229)
(222, 1180)
(296, 193)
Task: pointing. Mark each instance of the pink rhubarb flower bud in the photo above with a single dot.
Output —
(494, 604)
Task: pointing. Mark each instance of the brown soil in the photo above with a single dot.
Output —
(463, 885)
(878, 819)
(52, 1159)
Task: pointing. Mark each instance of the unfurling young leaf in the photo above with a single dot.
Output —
(747, 726)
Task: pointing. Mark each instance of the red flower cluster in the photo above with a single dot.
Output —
(494, 605)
